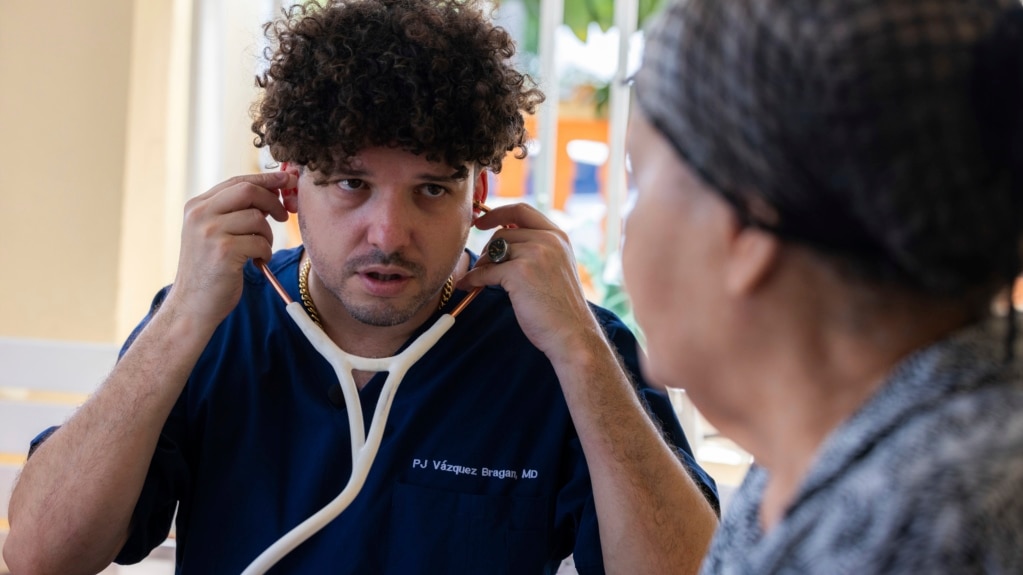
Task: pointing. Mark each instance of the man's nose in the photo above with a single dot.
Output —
(390, 223)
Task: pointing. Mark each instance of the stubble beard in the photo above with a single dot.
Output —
(387, 313)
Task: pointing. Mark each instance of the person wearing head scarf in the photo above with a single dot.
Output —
(830, 197)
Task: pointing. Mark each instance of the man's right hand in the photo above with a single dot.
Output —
(223, 229)
(71, 509)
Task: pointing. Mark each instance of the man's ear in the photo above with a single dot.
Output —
(289, 196)
(753, 256)
(481, 188)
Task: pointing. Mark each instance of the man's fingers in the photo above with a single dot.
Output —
(246, 222)
(479, 276)
(255, 247)
(246, 195)
(270, 181)
(515, 216)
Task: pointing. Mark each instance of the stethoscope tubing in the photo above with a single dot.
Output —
(364, 447)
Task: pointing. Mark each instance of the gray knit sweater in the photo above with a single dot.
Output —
(927, 477)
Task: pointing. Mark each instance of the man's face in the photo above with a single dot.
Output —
(385, 234)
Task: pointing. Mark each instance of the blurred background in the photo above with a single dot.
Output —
(115, 112)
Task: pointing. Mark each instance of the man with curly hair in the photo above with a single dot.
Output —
(518, 439)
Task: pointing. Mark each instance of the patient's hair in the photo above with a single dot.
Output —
(886, 135)
(431, 77)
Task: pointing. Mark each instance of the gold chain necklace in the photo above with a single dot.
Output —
(314, 314)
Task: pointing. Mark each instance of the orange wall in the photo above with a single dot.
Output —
(512, 179)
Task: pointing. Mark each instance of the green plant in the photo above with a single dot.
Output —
(610, 293)
(579, 14)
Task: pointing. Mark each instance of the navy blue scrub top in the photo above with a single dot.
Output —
(480, 469)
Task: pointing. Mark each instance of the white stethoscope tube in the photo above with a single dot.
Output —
(364, 449)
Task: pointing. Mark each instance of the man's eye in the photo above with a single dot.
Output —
(433, 190)
(350, 184)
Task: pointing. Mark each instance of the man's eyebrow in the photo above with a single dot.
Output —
(356, 173)
(454, 177)
(350, 172)
(324, 178)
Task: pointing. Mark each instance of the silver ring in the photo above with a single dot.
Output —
(497, 250)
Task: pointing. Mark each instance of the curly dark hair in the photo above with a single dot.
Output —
(430, 77)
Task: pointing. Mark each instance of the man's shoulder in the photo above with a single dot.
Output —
(494, 305)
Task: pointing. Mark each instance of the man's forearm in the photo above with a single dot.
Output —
(653, 517)
(72, 505)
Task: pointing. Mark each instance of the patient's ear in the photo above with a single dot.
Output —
(289, 196)
(753, 257)
(754, 252)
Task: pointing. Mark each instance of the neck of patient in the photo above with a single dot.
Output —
(821, 352)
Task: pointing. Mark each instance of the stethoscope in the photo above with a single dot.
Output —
(364, 447)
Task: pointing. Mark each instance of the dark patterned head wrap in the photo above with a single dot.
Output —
(880, 132)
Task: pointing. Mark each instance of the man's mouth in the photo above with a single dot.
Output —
(383, 277)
